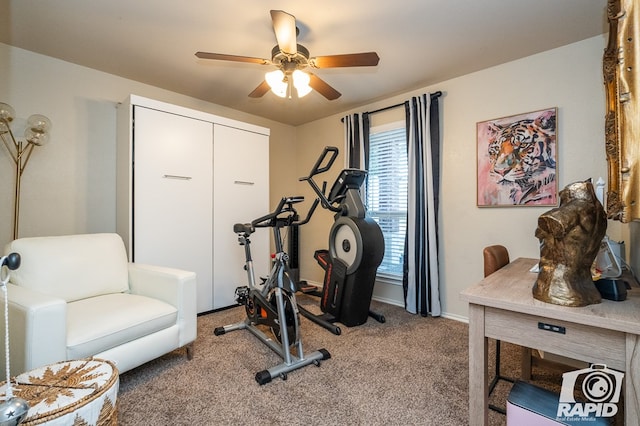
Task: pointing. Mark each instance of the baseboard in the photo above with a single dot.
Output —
(455, 317)
(387, 301)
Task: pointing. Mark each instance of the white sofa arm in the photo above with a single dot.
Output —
(174, 286)
(37, 330)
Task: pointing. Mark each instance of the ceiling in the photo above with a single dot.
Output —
(420, 42)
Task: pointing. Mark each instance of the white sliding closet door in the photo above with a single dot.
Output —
(172, 195)
(241, 191)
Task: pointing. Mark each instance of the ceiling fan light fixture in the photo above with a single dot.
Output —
(276, 81)
(301, 83)
(291, 58)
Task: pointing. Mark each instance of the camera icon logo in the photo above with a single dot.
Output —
(600, 385)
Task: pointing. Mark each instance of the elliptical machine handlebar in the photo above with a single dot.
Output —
(317, 169)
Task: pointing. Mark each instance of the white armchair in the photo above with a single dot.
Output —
(77, 296)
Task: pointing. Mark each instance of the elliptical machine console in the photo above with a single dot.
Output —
(356, 246)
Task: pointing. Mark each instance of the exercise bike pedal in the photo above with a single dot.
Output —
(242, 294)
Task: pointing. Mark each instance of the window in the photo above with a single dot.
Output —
(386, 193)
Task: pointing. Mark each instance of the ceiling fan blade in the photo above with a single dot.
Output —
(284, 26)
(235, 58)
(320, 86)
(367, 59)
(260, 91)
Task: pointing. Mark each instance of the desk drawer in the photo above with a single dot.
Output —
(577, 341)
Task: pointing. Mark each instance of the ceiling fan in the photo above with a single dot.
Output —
(291, 59)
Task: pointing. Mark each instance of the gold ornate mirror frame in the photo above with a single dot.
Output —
(622, 118)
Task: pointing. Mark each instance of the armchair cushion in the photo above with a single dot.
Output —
(103, 322)
(72, 267)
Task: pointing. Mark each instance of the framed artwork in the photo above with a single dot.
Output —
(517, 157)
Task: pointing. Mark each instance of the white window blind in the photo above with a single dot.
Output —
(386, 191)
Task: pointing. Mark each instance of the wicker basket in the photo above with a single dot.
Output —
(79, 392)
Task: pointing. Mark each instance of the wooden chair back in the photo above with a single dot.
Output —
(495, 257)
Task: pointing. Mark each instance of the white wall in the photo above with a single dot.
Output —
(569, 78)
(69, 185)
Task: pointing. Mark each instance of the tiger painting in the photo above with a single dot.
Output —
(520, 161)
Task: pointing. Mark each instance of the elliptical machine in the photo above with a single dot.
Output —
(273, 302)
(356, 249)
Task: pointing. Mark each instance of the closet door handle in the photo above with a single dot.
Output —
(177, 177)
(243, 182)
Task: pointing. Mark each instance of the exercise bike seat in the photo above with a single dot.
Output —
(244, 228)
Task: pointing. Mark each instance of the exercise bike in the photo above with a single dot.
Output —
(356, 249)
(273, 302)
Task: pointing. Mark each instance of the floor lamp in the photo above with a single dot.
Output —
(36, 133)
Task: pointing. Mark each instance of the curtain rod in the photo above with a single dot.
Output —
(433, 95)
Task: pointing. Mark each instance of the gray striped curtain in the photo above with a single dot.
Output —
(356, 135)
(421, 272)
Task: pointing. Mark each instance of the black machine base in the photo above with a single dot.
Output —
(333, 299)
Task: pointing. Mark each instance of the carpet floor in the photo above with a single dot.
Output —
(409, 370)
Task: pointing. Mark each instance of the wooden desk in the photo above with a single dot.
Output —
(502, 307)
